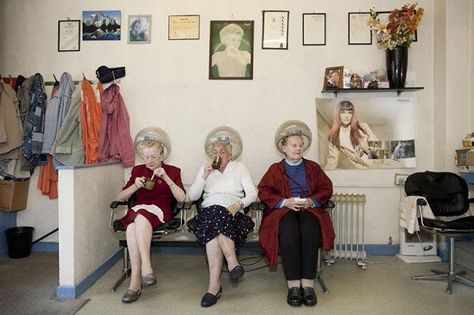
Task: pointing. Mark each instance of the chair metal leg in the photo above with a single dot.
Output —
(452, 275)
(125, 270)
(319, 273)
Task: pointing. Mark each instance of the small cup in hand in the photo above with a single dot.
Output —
(149, 184)
(216, 163)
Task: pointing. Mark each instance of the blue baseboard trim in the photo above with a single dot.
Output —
(381, 249)
(72, 292)
(46, 247)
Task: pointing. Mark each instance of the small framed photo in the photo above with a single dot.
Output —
(183, 27)
(383, 16)
(139, 29)
(314, 29)
(231, 50)
(333, 78)
(359, 32)
(275, 29)
(101, 25)
(69, 32)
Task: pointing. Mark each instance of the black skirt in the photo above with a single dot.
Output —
(215, 220)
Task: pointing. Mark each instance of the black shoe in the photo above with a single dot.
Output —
(210, 299)
(294, 296)
(131, 296)
(309, 296)
(236, 273)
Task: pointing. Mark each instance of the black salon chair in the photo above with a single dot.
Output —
(118, 230)
(447, 196)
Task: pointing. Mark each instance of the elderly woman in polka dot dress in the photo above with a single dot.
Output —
(221, 225)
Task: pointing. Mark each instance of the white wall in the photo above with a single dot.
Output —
(167, 84)
(85, 241)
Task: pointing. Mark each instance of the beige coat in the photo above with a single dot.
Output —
(11, 131)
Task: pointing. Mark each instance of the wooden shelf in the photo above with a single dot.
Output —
(381, 90)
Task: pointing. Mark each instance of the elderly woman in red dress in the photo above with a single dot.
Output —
(153, 207)
(293, 191)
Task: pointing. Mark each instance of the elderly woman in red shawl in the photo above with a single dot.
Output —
(293, 191)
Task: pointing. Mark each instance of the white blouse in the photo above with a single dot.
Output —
(224, 188)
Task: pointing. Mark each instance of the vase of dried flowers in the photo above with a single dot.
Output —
(397, 62)
(396, 36)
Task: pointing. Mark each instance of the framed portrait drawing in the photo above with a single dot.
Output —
(359, 32)
(314, 29)
(139, 29)
(69, 35)
(231, 50)
(333, 78)
(101, 25)
(183, 27)
(275, 29)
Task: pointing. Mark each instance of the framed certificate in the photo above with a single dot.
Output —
(314, 29)
(359, 32)
(69, 35)
(275, 29)
(183, 27)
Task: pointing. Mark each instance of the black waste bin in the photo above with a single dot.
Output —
(19, 240)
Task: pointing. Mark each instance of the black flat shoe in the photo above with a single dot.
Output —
(309, 296)
(294, 297)
(236, 273)
(131, 296)
(210, 299)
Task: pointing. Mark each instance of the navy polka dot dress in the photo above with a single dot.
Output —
(215, 220)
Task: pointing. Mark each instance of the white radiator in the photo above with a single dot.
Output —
(348, 221)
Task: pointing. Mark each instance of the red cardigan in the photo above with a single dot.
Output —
(274, 186)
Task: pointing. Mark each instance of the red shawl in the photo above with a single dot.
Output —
(274, 186)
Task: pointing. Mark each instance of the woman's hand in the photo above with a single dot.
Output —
(297, 204)
(140, 182)
(291, 203)
(234, 208)
(207, 171)
(160, 172)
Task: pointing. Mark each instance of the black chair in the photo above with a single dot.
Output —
(447, 195)
(119, 232)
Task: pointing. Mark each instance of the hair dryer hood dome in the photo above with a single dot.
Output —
(226, 135)
(153, 134)
(293, 128)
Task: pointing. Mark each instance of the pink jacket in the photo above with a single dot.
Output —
(115, 142)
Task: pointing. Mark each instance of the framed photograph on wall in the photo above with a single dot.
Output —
(183, 27)
(139, 29)
(69, 35)
(314, 29)
(333, 78)
(231, 50)
(359, 32)
(101, 25)
(383, 16)
(275, 29)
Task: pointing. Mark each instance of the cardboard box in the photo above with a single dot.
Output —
(470, 158)
(13, 194)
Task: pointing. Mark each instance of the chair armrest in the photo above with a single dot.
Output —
(187, 205)
(471, 200)
(257, 205)
(329, 205)
(421, 202)
(114, 204)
